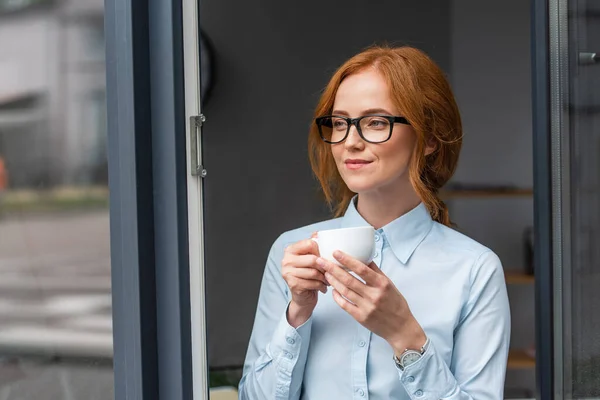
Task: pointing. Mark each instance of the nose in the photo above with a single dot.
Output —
(354, 141)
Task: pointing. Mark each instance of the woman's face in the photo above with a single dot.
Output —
(369, 167)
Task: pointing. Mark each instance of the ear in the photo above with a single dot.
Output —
(430, 146)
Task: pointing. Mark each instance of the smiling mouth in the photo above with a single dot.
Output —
(356, 164)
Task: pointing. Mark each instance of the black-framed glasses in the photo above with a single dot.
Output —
(372, 128)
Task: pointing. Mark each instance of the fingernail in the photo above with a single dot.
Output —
(320, 262)
(338, 254)
(327, 276)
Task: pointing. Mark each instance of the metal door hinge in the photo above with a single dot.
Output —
(196, 122)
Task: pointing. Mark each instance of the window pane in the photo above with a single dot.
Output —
(584, 132)
(55, 296)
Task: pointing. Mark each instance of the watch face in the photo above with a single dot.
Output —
(409, 358)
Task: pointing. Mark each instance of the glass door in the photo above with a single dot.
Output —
(575, 175)
(56, 326)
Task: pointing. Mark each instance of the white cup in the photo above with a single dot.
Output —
(357, 242)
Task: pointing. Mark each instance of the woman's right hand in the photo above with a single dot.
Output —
(304, 278)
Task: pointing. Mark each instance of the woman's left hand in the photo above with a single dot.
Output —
(376, 304)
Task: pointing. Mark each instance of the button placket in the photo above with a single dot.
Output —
(379, 244)
(359, 363)
(378, 249)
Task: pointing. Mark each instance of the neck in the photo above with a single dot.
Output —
(379, 208)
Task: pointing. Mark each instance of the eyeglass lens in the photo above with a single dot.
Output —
(374, 129)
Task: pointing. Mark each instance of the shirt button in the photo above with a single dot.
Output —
(361, 392)
(411, 379)
(377, 237)
(362, 343)
(376, 254)
(419, 393)
(290, 340)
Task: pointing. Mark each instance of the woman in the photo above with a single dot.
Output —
(429, 318)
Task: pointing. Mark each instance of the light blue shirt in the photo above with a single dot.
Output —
(456, 290)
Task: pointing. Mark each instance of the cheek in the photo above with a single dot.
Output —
(397, 153)
(336, 152)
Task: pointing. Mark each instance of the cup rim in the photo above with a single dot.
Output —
(346, 229)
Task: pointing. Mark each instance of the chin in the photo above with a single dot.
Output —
(361, 185)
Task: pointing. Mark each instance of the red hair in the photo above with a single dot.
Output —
(419, 88)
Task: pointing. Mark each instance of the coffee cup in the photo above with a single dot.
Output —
(357, 242)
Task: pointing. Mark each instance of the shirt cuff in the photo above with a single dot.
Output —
(429, 377)
(286, 345)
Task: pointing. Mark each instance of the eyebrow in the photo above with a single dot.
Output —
(365, 112)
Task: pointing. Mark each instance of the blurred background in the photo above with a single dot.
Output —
(55, 300)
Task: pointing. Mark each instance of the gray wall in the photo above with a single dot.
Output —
(491, 78)
(273, 58)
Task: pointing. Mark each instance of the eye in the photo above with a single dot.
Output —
(339, 124)
(377, 123)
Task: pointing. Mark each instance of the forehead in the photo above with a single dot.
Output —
(362, 91)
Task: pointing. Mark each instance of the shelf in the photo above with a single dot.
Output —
(519, 359)
(519, 278)
(482, 193)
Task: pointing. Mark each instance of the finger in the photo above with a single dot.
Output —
(360, 269)
(314, 236)
(306, 246)
(343, 276)
(375, 268)
(343, 289)
(301, 261)
(308, 273)
(298, 284)
(347, 306)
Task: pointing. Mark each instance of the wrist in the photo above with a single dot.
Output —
(298, 315)
(413, 337)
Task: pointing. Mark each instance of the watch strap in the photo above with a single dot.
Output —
(399, 361)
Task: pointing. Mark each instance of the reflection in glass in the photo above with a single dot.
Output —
(55, 299)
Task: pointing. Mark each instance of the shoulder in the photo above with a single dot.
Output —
(449, 238)
(467, 252)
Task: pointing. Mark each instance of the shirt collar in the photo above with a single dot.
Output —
(403, 234)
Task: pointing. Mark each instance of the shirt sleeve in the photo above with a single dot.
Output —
(274, 365)
(481, 342)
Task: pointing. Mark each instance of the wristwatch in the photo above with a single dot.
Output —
(409, 357)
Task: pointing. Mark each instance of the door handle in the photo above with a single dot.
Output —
(588, 58)
(196, 122)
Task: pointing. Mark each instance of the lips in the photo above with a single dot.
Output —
(355, 164)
